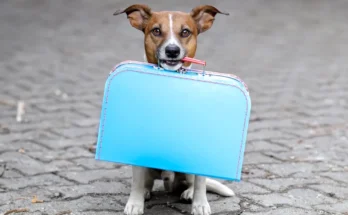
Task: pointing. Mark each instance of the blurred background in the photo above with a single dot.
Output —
(55, 57)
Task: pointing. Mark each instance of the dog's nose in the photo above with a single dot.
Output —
(172, 51)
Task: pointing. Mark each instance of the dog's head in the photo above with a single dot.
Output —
(170, 36)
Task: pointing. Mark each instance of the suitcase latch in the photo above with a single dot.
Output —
(182, 70)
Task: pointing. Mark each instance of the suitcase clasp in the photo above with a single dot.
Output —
(182, 70)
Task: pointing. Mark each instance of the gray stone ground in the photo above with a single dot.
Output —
(56, 55)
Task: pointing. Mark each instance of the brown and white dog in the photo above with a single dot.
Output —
(169, 37)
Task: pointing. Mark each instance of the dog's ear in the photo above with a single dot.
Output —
(137, 14)
(204, 16)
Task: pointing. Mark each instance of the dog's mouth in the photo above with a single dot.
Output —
(171, 63)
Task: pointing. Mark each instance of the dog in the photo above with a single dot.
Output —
(169, 36)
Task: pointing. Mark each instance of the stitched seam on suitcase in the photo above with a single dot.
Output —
(165, 75)
(104, 117)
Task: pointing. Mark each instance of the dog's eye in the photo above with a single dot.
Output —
(156, 32)
(185, 33)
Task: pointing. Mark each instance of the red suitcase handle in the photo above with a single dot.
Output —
(196, 61)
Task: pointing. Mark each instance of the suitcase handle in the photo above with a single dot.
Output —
(196, 61)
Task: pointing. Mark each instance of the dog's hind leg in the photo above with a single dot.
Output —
(188, 193)
(168, 178)
(148, 188)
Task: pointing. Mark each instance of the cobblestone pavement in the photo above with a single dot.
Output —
(55, 57)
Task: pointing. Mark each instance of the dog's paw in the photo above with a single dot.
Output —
(147, 195)
(134, 208)
(187, 194)
(201, 208)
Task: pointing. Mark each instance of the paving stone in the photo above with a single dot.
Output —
(25, 164)
(94, 164)
(250, 171)
(99, 213)
(217, 204)
(258, 158)
(25, 195)
(304, 132)
(273, 115)
(13, 137)
(341, 162)
(302, 198)
(41, 180)
(10, 173)
(248, 207)
(93, 122)
(338, 176)
(225, 205)
(327, 120)
(26, 145)
(308, 175)
(86, 203)
(161, 209)
(62, 143)
(271, 124)
(281, 184)
(70, 153)
(75, 133)
(54, 107)
(65, 165)
(311, 155)
(334, 208)
(246, 187)
(317, 143)
(2, 169)
(63, 116)
(40, 125)
(267, 134)
(62, 192)
(286, 169)
(92, 175)
(92, 113)
(277, 211)
(331, 190)
(93, 189)
(263, 146)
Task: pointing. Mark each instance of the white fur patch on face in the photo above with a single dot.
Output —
(172, 40)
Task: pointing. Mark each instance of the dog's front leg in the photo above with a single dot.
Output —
(141, 179)
(200, 205)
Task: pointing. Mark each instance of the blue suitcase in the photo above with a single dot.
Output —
(191, 121)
